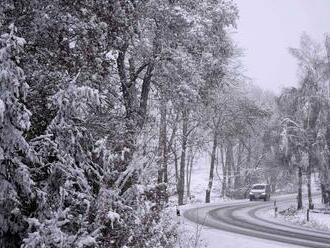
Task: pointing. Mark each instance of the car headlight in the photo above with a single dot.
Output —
(263, 193)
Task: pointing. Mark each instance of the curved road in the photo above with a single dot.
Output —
(244, 218)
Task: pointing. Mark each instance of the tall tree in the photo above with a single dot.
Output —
(311, 63)
(17, 195)
(293, 139)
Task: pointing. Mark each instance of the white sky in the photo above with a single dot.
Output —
(267, 28)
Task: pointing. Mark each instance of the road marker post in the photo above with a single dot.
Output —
(275, 209)
(308, 214)
(178, 212)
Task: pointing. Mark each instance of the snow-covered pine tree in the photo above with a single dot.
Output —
(16, 197)
(67, 179)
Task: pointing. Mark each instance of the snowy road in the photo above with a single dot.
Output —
(245, 218)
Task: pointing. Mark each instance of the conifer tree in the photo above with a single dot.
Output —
(16, 197)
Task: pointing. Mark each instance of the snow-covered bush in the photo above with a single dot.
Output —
(136, 219)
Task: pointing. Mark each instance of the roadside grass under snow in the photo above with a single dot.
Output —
(289, 215)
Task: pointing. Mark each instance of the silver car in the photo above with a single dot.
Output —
(260, 191)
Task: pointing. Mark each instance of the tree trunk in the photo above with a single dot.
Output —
(183, 156)
(237, 179)
(309, 177)
(162, 170)
(189, 169)
(229, 165)
(213, 154)
(325, 198)
(130, 101)
(323, 193)
(136, 102)
(187, 173)
(135, 112)
(190, 172)
(176, 167)
(165, 161)
(299, 197)
(273, 187)
(224, 173)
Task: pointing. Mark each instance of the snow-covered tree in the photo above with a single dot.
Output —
(16, 195)
(66, 176)
(304, 112)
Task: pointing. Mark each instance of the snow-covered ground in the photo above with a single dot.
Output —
(317, 221)
(199, 181)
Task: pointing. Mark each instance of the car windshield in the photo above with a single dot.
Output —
(259, 187)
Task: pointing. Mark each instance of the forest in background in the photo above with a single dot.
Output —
(105, 105)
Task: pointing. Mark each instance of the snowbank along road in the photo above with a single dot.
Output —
(245, 218)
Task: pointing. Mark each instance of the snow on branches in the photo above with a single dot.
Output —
(15, 181)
